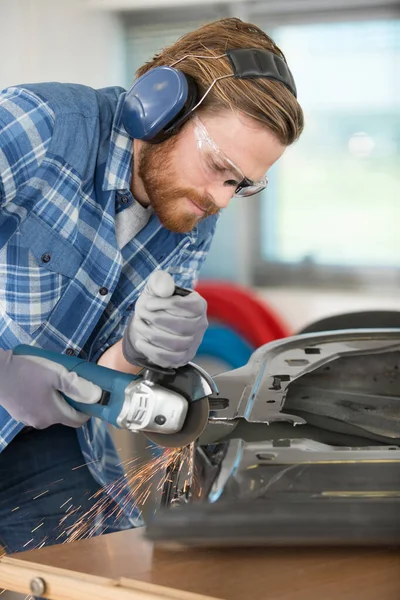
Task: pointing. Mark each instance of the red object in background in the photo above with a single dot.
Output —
(242, 310)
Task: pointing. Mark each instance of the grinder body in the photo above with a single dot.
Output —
(128, 401)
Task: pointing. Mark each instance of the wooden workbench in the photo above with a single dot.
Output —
(124, 566)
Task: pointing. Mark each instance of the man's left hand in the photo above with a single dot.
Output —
(164, 328)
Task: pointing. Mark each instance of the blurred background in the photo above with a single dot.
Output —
(324, 238)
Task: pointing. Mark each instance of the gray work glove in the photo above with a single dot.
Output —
(30, 389)
(164, 328)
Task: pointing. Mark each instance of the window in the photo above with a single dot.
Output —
(334, 198)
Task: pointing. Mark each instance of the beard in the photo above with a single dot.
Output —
(168, 200)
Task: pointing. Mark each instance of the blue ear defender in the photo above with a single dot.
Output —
(158, 103)
(161, 100)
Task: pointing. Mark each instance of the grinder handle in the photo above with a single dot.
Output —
(151, 367)
(180, 291)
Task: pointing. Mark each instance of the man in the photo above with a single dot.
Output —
(98, 225)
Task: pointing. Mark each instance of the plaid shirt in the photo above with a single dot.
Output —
(65, 285)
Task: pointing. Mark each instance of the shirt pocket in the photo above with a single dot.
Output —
(36, 267)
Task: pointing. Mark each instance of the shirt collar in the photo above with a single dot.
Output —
(118, 172)
(120, 157)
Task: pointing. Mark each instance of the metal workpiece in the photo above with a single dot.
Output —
(289, 470)
(257, 391)
(288, 493)
(300, 468)
(342, 387)
(333, 479)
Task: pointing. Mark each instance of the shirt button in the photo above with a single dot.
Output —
(103, 291)
(45, 258)
(125, 200)
(70, 351)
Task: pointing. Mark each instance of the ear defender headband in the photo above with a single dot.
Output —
(162, 99)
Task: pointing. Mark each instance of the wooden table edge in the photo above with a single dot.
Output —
(63, 584)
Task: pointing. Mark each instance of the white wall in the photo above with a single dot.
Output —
(59, 40)
(300, 306)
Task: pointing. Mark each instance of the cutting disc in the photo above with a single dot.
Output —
(195, 423)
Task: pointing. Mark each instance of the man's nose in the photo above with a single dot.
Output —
(221, 195)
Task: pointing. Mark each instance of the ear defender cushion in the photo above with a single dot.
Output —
(158, 103)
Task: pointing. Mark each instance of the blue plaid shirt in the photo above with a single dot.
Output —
(65, 285)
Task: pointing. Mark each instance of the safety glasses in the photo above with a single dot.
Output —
(218, 167)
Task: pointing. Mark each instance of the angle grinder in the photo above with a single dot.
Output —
(170, 406)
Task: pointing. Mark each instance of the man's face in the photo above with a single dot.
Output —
(182, 178)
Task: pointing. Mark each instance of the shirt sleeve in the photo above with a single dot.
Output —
(26, 127)
(186, 272)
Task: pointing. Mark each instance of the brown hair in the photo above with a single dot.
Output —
(265, 100)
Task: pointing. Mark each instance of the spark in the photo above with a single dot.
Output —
(14, 509)
(48, 484)
(31, 540)
(42, 543)
(39, 495)
(141, 477)
(147, 494)
(68, 514)
(69, 499)
(37, 527)
(85, 464)
(127, 462)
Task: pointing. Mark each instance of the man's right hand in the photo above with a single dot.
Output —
(30, 391)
